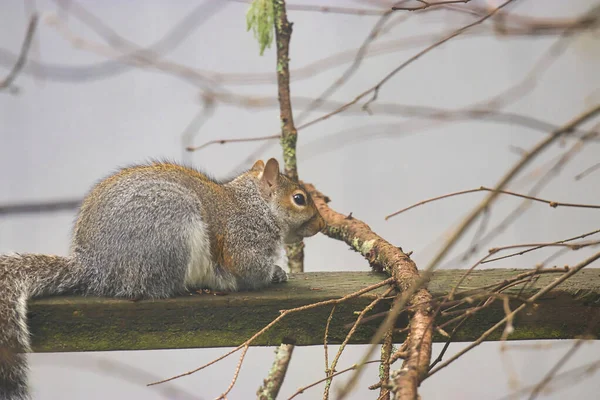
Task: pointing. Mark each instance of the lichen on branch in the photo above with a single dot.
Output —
(384, 256)
(259, 19)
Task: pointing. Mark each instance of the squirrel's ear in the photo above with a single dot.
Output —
(270, 174)
(258, 166)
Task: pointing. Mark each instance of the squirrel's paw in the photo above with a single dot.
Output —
(279, 275)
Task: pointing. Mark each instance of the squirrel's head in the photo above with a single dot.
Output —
(293, 206)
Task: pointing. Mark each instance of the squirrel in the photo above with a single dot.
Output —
(155, 231)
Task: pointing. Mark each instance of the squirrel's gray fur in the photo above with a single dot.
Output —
(155, 231)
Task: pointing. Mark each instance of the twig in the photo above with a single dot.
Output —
(553, 256)
(552, 372)
(384, 368)
(326, 351)
(509, 327)
(511, 94)
(531, 25)
(193, 127)
(440, 356)
(237, 140)
(270, 388)
(483, 224)
(587, 171)
(534, 152)
(364, 311)
(353, 367)
(391, 110)
(358, 58)
(586, 369)
(543, 291)
(491, 293)
(400, 353)
(223, 396)
(32, 208)
(327, 9)
(282, 314)
(427, 4)
(375, 89)
(104, 70)
(540, 184)
(470, 312)
(514, 92)
(408, 383)
(496, 288)
(150, 55)
(16, 69)
(38, 75)
(537, 246)
(120, 371)
(553, 204)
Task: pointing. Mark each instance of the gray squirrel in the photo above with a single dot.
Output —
(155, 231)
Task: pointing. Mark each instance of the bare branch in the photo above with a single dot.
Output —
(375, 89)
(325, 338)
(534, 152)
(223, 396)
(552, 372)
(289, 134)
(386, 360)
(358, 58)
(98, 71)
(239, 140)
(551, 203)
(361, 315)
(327, 9)
(427, 4)
(569, 376)
(555, 168)
(351, 368)
(587, 171)
(42, 207)
(532, 299)
(537, 246)
(384, 256)
(16, 69)
(270, 387)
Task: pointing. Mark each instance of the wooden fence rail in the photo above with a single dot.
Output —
(88, 324)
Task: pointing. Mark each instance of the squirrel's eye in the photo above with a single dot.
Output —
(299, 199)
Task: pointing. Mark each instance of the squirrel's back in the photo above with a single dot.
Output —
(141, 231)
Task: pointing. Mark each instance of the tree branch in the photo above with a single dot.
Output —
(382, 255)
(41, 207)
(14, 72)
(427, 4)
(289, 134)
(530, 300)
(525, 160)
(270, 387)
(551, 203)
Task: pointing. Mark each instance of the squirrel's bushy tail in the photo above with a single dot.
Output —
(22, 277)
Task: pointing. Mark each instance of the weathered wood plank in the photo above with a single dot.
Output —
(88, 324)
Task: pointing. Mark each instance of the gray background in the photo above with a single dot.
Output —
(78, 117)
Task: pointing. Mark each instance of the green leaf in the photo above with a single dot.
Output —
(259, 18)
